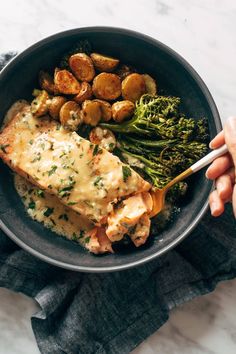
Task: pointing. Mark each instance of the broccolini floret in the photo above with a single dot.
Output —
(163, 140)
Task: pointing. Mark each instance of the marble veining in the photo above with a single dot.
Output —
(204, 33)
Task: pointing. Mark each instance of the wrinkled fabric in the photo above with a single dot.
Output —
(112, 313)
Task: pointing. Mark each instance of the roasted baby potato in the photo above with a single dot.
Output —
(103, 137)
(104, 63)
(124, 70)
(39, 105)
(91, 111)
(46, 82)
(122, 110)
(85, 92)
(82, 67)
(70, 115)
(66, 83)
(150, 83)
(133, 87)
(55, 105)
(105, 109)
(107, 86)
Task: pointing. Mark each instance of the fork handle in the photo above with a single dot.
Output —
(206, 160)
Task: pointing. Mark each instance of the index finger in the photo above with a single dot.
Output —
(218, 140)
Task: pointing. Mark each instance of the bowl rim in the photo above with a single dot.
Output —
(207, 95)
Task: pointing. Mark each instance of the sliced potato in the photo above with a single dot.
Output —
(104, 63)
(106, 110)
(39, 105)
(66, 83)
(82, 67)
(46, 82)
(92, 112)
(122, 110)
(124, 70)
(70, 115)
(107, 86)
(133, 87)
(55, 105)
(150, 83)
(85, 92)
(103, 137)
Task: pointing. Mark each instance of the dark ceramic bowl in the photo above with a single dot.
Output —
(174, 76)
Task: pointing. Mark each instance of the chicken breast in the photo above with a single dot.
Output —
(82, 175)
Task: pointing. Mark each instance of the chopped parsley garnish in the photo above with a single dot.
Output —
(3, 147)
(31, 205)
(74, 237)
(111, 146)
(71, 180)
(81, 234)
(63, 154)
(88, 203)
(40, 193)
(53, 169)
(64, 191)
(48, 212)
(71, 203)
(37, 158)
(87, 239)
(97, 181)
(126, 173)
(97, 150)
(31, 142)
(49, 186)
(63, 217)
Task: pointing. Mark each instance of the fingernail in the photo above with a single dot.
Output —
(206, 174)
(214, 208)
(210, 145)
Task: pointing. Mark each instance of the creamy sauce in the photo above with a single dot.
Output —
(133, 161)
(13, 110)
(82, 175)
(47, 209)
(76, 170)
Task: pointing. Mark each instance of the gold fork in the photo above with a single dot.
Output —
(158, 196)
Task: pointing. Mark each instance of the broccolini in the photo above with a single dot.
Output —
(164, 141)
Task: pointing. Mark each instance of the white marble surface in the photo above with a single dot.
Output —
(204, 32)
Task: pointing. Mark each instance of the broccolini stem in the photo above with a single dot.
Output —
(151, 143)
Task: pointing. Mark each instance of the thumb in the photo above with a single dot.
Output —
(230, 137)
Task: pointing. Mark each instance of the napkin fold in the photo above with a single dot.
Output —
(112, 313)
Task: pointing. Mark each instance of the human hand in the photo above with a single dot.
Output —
(223, 170)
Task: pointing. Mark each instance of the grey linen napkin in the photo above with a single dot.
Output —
(113, 313)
